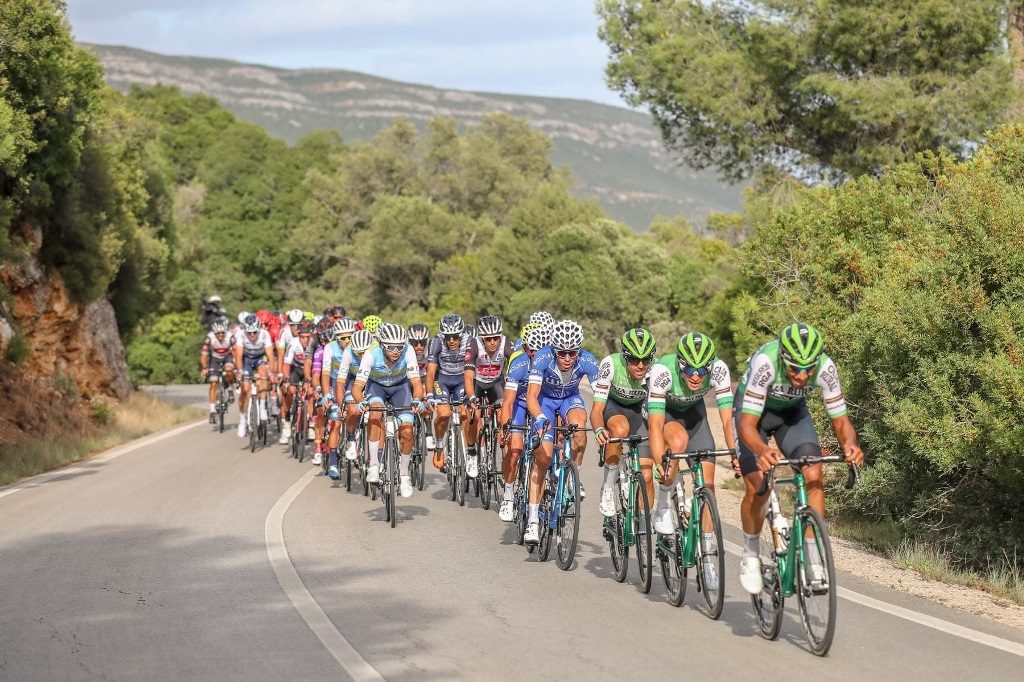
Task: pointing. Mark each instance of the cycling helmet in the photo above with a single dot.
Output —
(567, 335)
(638, 343)
(419, 332)
(307, 316)
(345, 325)
(800, 344)
(214, 299)
(542, 317)
(338, 311)
(528, 327)
(361, 340)
(218, 327)
(389, 333)
(325, 329)
(242, 316)
(537, 337)
(306, 327)
(264, 316)
(488, 325)
(371, 322)
(317, 319)
(451, 324)
(695, 350)
(251, 324)
(294, 316)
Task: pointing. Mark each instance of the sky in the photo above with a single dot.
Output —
(532, 47)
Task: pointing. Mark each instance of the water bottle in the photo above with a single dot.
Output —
(780, 526)
(430, 442)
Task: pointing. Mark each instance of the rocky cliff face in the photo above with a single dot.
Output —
(74, 351)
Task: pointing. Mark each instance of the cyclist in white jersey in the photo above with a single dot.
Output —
(484, 377)
(217, 358)
(254, 355)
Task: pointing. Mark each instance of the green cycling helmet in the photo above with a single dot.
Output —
(800, 345)
(696, 350)
(638, 343)
(371, 322)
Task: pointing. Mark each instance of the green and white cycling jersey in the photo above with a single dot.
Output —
(613, 381)
(668, 386)
(766, 384)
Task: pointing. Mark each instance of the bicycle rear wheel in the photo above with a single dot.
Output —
(483, 474)
(461, 480)
(547, 509)
(642, 535)
(520, 496)
(816, 593)
(710, 554)
(252, 414)
(768, 603)
(363, 459)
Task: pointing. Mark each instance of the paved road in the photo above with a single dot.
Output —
(153, 564)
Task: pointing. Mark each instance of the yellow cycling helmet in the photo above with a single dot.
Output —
(371, 322)
(528, 327)
(308, 316)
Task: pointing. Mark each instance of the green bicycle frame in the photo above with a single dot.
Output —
(628, 537)
(788, 560)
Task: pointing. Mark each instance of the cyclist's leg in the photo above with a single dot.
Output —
(698, 434)
(797, 437)
(574, 411)
(542, 456)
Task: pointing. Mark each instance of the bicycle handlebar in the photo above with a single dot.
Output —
(852, 475)
(696, 455)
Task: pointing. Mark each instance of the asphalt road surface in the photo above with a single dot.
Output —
(189, 558)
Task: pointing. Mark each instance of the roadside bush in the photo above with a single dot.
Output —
(917, 280)
(168, 351)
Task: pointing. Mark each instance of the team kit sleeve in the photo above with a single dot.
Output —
(603, 385)
(518, 373)
(721, 381)
(326, 359)
(659, 383)
(762, 374)
(831, 391)
(412, 366)
(588, 364)
(541, 363)
(365, 365)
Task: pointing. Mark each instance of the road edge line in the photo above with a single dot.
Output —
(343, 652)
(932, 622)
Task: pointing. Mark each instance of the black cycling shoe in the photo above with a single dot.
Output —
(213, 418)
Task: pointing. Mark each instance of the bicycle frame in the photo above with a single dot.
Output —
(691, 536)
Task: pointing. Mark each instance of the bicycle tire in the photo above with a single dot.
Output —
(388, 487)
(519, 500)
(483, 476)
(568, 528)
(253, 417)
(461, 480)
(547, 510)
(769, 602)
(491, 447)
(363, 458)
(615, 534)
(643, 536)
(449, 465)
(714, 600)
(299, 434)
(818, 631)
(348, 474)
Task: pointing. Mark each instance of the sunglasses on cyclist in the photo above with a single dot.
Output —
(419, 342)
(633, 360)
(392, 347)
(799, 369)
(567, 353)
(449, 337)
(491, 338)
(696, 371)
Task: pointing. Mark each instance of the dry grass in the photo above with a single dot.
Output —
(114, 423)
(1002, 578)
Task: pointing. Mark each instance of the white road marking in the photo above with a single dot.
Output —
(945, 626)
(36, 481)
(336, 644)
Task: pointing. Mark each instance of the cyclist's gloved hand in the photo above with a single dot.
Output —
(417, 406)
(363, 406)
(541, 424)
(601, 435)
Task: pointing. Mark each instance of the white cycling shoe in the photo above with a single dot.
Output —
(607, 505)
(471, 466)
(242, 432)
(286, 434)
(350, 451)
(317, 459)
(711, 576)
(664, 521)
(750, 574)
(505, 513)
(406, 486)
(373, 474)
(532, 536)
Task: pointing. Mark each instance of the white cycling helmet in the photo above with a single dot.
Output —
(451, 324)
(419, 332)
(391, 334)
(242, 315)
(542, 317)
(218, 327)
(567, 335)
(488, 325)
(345, 325)
(294, 316)
(361, 340)
(537, 337)
(252, 324)
(317, 318)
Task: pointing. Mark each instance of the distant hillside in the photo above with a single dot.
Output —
(615, 154)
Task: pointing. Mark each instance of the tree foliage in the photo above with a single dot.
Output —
(839, 86)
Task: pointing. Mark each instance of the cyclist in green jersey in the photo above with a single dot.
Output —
(772, 396)
(678, 420)
(620, 394)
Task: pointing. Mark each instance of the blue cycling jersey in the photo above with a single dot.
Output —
(375, 367)
(555, 384)
(518, 376)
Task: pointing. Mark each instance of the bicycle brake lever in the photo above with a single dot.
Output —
(852, 476)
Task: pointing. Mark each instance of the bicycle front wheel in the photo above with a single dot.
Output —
(568, 515)
(483, 474)
(816, 579)
(643, 536)
(614, 530)
(461, 480)
(710, 554)
(254, 422)
(669, 549)
(392, 478)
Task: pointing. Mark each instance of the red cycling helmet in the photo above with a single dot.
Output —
(264, 316)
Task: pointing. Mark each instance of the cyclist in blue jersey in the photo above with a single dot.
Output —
(514, 412)
(330, 370)
(389, 372)
(555, 392)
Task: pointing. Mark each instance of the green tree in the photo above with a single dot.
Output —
(838, 86)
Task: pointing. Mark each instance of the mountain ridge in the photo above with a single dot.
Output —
(615, 153)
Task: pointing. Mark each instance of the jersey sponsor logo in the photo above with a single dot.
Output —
(831, 377)
(762, 376)
(662, 381)
(606, 372)
(720, 373)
